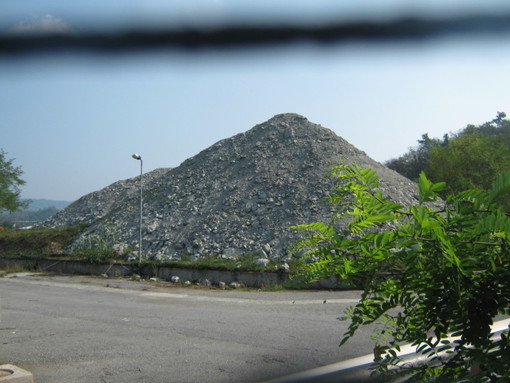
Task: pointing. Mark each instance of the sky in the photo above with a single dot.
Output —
(71, 121)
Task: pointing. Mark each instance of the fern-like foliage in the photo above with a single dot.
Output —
(426, 271)
(500, 186)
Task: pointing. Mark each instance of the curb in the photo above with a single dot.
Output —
(15, 374)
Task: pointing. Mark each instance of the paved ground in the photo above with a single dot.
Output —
(74, 329)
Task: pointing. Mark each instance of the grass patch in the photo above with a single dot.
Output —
(274, 288)
(242, 263)
(36, 242)
(208, 263)
(13, 267)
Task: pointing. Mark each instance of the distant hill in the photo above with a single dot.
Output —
(37, 210)
(38, 204)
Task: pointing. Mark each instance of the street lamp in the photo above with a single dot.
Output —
(139, 158)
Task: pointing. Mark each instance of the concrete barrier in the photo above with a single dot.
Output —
(118, 270)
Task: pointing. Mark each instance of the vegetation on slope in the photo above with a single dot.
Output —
(470, 158)
(38, 241)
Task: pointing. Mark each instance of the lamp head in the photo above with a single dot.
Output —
(137, 156)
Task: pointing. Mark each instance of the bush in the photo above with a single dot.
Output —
(97, 247)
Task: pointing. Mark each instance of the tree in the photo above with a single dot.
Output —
(427, 270)
(412, 163)
(473, 157)
(470, 158)
(470, 161)
(10, 182)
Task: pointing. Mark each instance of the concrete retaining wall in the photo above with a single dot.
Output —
(117, 270)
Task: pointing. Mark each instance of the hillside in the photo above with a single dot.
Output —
(241, 195)
(41, 203)
(37, 210)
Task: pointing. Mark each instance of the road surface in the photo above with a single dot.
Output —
(76, 329)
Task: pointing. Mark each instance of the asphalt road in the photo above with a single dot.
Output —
(71, 329)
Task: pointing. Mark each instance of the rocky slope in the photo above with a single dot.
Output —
(241, 195)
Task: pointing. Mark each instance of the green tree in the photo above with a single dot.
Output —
(473, 157)
(10, 182)
(412, 163)
(427, 270)
(471, 160)
(499, 126)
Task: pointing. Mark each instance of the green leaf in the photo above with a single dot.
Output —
(498, 224)
(427, 189)
(500, 186)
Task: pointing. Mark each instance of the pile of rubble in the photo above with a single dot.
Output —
(239, 196)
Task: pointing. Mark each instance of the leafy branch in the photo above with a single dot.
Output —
(426, 271)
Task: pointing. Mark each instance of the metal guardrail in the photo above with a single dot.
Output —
(357, 370)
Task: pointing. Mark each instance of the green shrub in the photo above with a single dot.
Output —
(97, 247)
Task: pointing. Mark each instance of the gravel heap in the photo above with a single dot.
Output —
(239, 196)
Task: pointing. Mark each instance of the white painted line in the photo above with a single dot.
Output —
(163, 295)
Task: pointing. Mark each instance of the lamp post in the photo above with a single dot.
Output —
(139, 158)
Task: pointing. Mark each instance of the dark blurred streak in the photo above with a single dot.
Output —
(238, 37)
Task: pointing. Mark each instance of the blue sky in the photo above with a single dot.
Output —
(72, 121)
